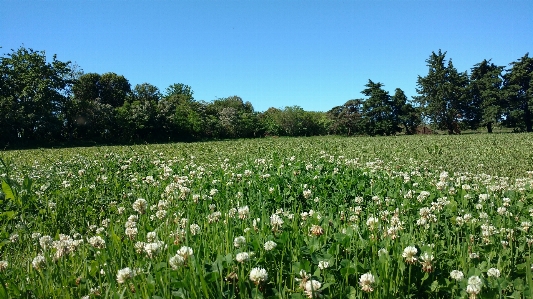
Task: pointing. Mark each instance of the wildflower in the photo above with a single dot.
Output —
(323, 265)
(372, 223)
(307, 193)
(38, 262)
(316, 230)
(275, 221)
(152, 248)
(140, 205)
(14, 238)
(195, 229)
(365, 281)
(45, 242)
(269, 245)
(382, 252)
(176, 261)
(243, 212)
(242, 257)
(258, 275)
(238, 241)
(151, 236)
(457, 275)
(311, 289)
(426, 260)
(493, 272)
(409, 253)
(3, 265)
(97, 242)
(474, 286)
(185, 251)
(124, 274)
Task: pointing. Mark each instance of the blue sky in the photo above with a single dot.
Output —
(314, 54)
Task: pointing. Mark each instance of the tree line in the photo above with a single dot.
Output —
(54, 102)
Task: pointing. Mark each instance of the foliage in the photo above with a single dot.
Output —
(443, 93)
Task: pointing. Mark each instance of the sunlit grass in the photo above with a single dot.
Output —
(271, 218)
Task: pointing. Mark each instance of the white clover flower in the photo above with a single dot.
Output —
(242, 257)
(493, 272)
(14, 238)
(275, 220)
(3, 265)
(258, 275)
(365, 281)
(269, 245)
(312, 288)
(474, 286)
(97, 242)
(409, 253)
(140, 205)
(151, 236)
(45, 242)
(457, 275)
(243, 212)
(152, 248)
(382, 252)
(124, 274)
(38, 262)
(195, 229)
(176, 261)
(185, 251)
(323, 265)
(239, 241)
(372, 222)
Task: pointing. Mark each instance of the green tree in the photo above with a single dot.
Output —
(33, 95)
(137, 118)
(518, 82)
(231, 117)
(179, 115)
(443, 93)
(346, 119)
(405, 113)
(486, 105)
(378, 111)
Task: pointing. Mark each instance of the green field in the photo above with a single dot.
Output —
(325, 217)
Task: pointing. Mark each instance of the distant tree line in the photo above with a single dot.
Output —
(54, 102)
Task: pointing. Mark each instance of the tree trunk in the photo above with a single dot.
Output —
(489, 127)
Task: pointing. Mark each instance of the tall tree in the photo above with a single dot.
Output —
(519, 92)
(346, 119)
(138, 116)
(378, 111)
(405, 113)
(443, 93)
(486, 105)
(33, 95)
(179, 115)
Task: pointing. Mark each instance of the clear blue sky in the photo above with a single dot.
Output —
(314, 54)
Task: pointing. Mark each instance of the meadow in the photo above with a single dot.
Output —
(322, 217)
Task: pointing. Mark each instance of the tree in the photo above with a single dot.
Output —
(378, 111)
(179, 115)
(137, 118)
(443, 93)
(33, 95)
(108, 88)
(518, 83)
(346, 119)
(486, 105)
(231, 117)
(405, 113)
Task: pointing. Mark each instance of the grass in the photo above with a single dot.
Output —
(73, 224)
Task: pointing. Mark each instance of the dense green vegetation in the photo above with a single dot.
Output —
(54, 103)
(440, 216)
